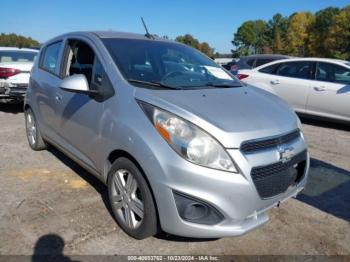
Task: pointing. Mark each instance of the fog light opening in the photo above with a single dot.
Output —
(196, 211)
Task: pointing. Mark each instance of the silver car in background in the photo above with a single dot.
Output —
(313, 86)
(182, 145)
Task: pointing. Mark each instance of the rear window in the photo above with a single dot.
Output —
(17, 56)
(49, 59)
(250, 62)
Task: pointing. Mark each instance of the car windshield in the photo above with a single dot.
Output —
(17, 56)
(152, 63)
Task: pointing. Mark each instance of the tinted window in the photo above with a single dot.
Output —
(295, 69)
(333, 73)
(250, 62)
(271, 69)
(263, 61)
(166, 63)
(17, 56)
(50, 57)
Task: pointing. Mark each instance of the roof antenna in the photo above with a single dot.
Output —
(148, 35)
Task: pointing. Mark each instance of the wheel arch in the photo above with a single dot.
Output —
(118, 153)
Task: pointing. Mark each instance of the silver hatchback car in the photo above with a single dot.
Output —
(182, 145)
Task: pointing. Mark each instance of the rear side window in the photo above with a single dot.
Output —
(50, 57)
(300, 69)
(333, 73)
(271, 69)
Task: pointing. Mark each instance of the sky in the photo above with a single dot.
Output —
(208, 20)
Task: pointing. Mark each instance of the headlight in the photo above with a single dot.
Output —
(300, 127)
(188, 140)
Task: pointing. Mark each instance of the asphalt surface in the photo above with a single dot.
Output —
(51, 205)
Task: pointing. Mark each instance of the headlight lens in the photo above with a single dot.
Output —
(188, 140)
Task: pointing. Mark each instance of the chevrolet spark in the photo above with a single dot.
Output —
(182, 145)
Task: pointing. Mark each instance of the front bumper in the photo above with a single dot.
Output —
(11, 90)
(233, 195)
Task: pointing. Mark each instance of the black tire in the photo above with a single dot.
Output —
(148, 226)
(38, 143)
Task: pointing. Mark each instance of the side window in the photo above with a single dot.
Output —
(341, 75)
(50, 57)
(271, 69)
(333, 73)
(80, 59)
(300, 69)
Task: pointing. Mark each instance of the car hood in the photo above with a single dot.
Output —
(231, 115)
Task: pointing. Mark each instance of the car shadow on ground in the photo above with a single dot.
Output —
(321, 122)
(10, 107)
(102, 190)
(328, 189)
(97, 184)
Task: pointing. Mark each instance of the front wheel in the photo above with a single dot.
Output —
(131, 199)
(35, 140)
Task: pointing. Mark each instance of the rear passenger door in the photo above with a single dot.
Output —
(46, 84)
(330, 91)
(291, 82)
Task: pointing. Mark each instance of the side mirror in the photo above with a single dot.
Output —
(77, 84)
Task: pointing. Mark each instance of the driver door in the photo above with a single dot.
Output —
(79, 114)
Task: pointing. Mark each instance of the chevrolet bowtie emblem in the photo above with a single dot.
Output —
(285, 153)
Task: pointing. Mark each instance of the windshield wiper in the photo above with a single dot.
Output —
(157, 84)
(221, 85)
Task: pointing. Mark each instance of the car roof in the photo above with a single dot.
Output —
(265, 56)
(312, 59)
(110, 34)
(6, 48)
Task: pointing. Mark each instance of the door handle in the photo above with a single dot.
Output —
(58, 97)
(319, 88)
(275, 82)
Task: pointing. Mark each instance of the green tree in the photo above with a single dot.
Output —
(319, 32)
(298, 33)
(17, 41)
(193, 42)
(250, 37)
(338, 42)
(277, 30)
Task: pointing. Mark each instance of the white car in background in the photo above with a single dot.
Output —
(313, 86)
(15, 66)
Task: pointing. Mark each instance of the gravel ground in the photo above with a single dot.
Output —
(49, 203)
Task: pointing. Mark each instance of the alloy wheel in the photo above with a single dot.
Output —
(127, 199)
(31, 128)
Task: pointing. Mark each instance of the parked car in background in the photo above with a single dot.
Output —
(314, 86)
(252, 61)
(231, 66)
(15, 66)
(180, 143)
